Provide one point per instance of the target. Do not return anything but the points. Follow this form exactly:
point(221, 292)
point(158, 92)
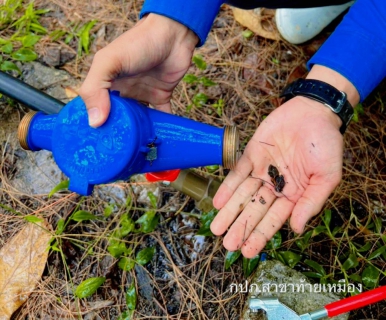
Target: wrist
point(336, 80)
point(320, 109)
point(176, 32)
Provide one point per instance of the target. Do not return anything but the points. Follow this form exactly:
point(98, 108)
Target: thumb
point(95, 88)
point(309, 205)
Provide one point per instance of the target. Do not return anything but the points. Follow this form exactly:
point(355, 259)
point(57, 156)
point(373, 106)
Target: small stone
point(52, 56)
point(274, 273)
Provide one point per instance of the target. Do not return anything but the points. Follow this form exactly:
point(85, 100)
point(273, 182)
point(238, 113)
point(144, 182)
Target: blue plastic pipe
point(134, 139)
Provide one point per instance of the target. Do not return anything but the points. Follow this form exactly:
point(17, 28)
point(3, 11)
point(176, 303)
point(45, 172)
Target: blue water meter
point(134, 139)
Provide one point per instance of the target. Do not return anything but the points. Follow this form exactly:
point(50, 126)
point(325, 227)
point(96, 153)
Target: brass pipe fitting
point(22, 132)
point(231, 145)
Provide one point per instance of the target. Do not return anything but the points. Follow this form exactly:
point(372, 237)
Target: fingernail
point(93, 116)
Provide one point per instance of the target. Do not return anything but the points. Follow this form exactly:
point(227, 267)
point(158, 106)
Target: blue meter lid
point(90, 156)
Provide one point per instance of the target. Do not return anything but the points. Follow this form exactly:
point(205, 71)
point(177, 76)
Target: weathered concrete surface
point(275, 273)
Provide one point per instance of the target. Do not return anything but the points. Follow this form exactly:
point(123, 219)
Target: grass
point(186, 279)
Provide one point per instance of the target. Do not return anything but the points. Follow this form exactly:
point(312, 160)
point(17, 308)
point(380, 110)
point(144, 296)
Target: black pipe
point(28, 95)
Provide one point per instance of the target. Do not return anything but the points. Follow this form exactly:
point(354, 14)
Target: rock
point(52, 81)
point(112, 194)
point(56, 55)
point(142, 187)
point(144, 283)
point(36, 172)
point(275, 273)
point(52, 56)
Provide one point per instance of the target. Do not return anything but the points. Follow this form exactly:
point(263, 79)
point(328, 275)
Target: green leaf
point(370, 277)
point(355, 277)
point(190, 78)
point(89, 287)
point(377, 253)
point(318, 230)
point(36, 27)
point(247, 34)
point(275, 242)
point(82, 215)
point(68, 39)
point(25, 55)
point(9, 66)
point(365, 248)
point(108, 210)
point(30, 40)
point(378, 224)
point(212, 169)
point(207, 82)
point(316, 266)
point(312, 274)
point(131, 297)
point(7, 48)
point(357, 111)
point(290, 258)
point(85, 35)
point(117, 248)
point(41, 11)
point(351, 262)
point(200, 99)
point(327, 217)
point(32, 219)
point(127, 225)
point(126, 315)
point(275, 61)
point(57, 34)
point(303, 242)
point(148, 222)
point(249, 265)
point(206, 220)
point(60, 227)
point(145, 255)
point(60, 186)
point(126, 264)
point(3, 41)
point(153, 199)
point(231, 257)
point(198, 60)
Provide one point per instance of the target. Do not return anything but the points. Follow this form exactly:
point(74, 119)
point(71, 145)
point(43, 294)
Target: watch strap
point(322, 92)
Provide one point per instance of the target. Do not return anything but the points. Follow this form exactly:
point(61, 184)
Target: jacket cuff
point(198, 16)
point(357, 48)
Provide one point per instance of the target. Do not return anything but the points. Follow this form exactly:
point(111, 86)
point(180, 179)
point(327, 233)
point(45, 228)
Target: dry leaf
point(70, 92)
point(22, 261)
point(260, 21)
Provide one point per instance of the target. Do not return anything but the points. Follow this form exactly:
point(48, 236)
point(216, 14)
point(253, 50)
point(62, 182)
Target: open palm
point(302, 140)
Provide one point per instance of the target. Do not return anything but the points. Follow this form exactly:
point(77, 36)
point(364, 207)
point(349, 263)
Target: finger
point(310, 204)
point(238, 201)
point(107, 65)
point(143, 89)
point(94, 90)
point(165, 107)
point(276, 216)
point(234, 178)
point(248, 219)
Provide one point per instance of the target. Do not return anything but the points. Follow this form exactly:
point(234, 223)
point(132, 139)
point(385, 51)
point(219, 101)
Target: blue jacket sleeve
point(357, 48)
point(198, 16)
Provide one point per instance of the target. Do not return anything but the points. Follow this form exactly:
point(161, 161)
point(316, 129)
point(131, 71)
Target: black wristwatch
point(323, 92)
